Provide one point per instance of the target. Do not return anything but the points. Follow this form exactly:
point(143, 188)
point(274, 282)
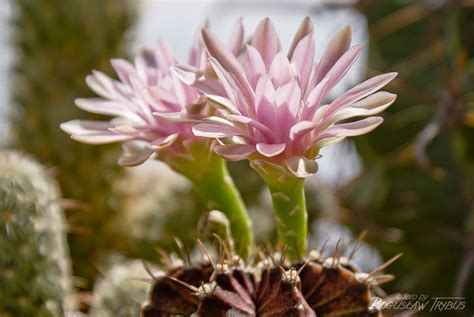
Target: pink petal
point(106, 107)
point(305, 28)
point(301, 166)
point(235, 152)
point(368, 106)
point(337, 46)
point(290, 96)
point(342, 66)
point(179, 117)
point(360, 91)
point(352, 128)
point(193, 77)
point(265, 40)
point(303, 57)
point(100, 138)
point(264, 99)
point(123, 69)
point(144, 61)
point(231, 87)
point(237, 37)
point(254, 65)
point(270, 150)
point(85, 126)
point(314, 99)
point(165, 141)
point(301, 128)
point(252, 123)
point(101, 84)
point(228, 61)
point(136, 153)
point(211, 130)
point(280, 70)
point(164, 56)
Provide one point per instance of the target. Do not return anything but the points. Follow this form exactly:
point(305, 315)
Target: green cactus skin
point(35, 268)
point(121, 290)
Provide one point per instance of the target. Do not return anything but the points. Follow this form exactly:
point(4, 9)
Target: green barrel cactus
point(35, 268)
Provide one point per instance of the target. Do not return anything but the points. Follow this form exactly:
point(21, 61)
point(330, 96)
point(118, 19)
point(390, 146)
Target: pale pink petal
point(164, 56)
point(301, 166)
point(180, 117)
point(106, 107)
point(337, 46)
point(92, 132)
point(314, 99)
point(102, 86)
point(123, 69)
point(193, 77)
point(254, 65)
point(281, 70)
point(303, 57)
point(265, 40)
point(231, 87)
point(342, 66)
point(136, 153)
point(305, 28)
point(264, 99)
point(266, 132)
point(86, 126)
point(222, 103)
point(270, 150)
point(100, 138)
point(237, 37)
point(144, 62)
point(368, 106)
point(128, 129)
point(234, 152)
point(301, 128)
point(289, 95)
point(228, 61)
point(328, 141)
point(211, 130)
point(352, 128)
point(165, 141)
point(360, 91)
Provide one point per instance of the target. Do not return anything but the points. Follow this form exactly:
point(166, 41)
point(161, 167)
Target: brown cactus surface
point(265, 287)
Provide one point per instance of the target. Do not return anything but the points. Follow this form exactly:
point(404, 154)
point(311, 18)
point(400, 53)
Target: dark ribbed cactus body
point(313, 287)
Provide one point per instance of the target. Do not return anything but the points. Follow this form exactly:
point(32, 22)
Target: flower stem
point(217, 188)
point(208, 172)
point(289, 207)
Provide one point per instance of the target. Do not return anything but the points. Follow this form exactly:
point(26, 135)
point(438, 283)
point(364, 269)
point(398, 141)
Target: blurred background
point(409, 184)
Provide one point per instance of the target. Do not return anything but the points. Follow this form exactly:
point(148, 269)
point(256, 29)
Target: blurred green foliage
point(57, 44)
point(416, 195)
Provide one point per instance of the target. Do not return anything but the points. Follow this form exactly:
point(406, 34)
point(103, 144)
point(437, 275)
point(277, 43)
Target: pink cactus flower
point(271, 107)
point(145, 88)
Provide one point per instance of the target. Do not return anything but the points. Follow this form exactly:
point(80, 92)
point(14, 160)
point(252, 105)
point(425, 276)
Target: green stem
point(217, 188)
point(208, 172)
point(289, 207)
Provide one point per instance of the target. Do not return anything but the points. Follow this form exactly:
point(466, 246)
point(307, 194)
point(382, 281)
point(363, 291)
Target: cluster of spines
point(266, 285)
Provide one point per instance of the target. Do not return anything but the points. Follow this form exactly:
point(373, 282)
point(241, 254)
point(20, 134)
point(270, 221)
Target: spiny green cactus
point(121, 290)
point(57, 43)
point(35, 272)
